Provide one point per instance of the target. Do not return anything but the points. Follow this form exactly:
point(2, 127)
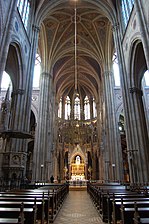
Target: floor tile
point(78, 209)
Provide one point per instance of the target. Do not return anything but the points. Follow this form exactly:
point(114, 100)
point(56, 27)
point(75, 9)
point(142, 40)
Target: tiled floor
point(78, 209)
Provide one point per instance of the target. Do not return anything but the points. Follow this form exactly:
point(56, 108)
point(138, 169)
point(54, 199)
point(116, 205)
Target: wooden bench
point(47, 203)
point(128, 213)
point(8, 220)
point(138, 220)
point(103, 196)
point(114, 204)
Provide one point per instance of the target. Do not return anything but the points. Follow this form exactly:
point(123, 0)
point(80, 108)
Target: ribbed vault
point(94, 45)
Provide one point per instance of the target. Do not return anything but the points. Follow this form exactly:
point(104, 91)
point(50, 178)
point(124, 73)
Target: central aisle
point(78, 209)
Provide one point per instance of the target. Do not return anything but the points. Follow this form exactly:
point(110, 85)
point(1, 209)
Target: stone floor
point(78, 209)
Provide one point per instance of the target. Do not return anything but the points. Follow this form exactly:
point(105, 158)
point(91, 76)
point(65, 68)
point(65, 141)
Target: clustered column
point(138, 153)
point(112, 155)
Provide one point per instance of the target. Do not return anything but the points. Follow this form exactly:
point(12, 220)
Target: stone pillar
point(82, 110)
point(136, 132)
point(43, 144)
point(113, 153)
point(30, 73)
point(94, 167)
point(138, 153)
point(63, 108)
point(91, 107)
point(124, 86)
point(86, 171)
point(16, 121)
point(6, 36)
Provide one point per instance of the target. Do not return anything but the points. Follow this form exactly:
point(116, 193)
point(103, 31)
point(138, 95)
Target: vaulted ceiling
point(94, 44)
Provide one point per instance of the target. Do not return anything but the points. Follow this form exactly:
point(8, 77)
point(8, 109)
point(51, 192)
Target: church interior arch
point(77, 124)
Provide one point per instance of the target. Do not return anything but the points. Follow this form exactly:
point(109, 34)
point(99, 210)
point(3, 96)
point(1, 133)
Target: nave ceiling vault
point(94, 45)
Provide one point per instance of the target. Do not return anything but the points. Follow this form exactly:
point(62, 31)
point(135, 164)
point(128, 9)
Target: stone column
point(124, 85)
point(94, 167)
point(43, 135)
point(113, 152)
point(63, 108)
point(6, 36)
point(16, 121)
point(30, 73)
point(138, 153)
point(82, 110)
point(133, 110)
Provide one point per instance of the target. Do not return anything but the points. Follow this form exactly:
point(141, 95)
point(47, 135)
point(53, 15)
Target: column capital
point(115, 27)
point(108, 73)
point(36, 28)
point(46, 74)
point(135, 90)
point(18, 92)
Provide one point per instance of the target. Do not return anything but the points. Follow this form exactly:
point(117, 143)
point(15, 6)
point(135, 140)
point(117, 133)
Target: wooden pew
point(128, 213)
point(138, 220)
point(102, 197)
point(48, 202)
point(114, 203)
point(9, 220)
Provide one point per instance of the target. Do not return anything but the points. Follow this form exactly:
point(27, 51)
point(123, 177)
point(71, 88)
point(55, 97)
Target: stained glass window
point(94, 109)
point(24, 9)
point(126, 8)
point(60, 108)
point(67, 108)
point(86, 108)
point(77, 108)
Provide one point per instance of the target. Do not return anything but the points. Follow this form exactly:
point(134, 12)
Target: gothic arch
point(14, 66)
point(35, 111)
point(138, 64)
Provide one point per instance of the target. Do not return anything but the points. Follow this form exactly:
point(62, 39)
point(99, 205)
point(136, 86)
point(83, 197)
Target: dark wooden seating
point(127, 214)
point(29, 206)
point(8, 220)
point(139, 220)
point(109, 200)
point(119, 207)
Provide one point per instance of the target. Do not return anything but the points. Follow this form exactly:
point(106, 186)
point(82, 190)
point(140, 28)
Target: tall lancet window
point(94, 108)
point(126, 8)
point(60, 108)
point(77, 108)
point(24, 10)
point(67, 108)
point(86, 108)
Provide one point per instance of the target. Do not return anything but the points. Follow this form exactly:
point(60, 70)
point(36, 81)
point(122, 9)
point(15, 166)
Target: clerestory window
point(60, 108)
point(77, 108)
point(94, 109)
point(126, 8)
point(86, 108)
point(24, 10)
point(67, 108)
